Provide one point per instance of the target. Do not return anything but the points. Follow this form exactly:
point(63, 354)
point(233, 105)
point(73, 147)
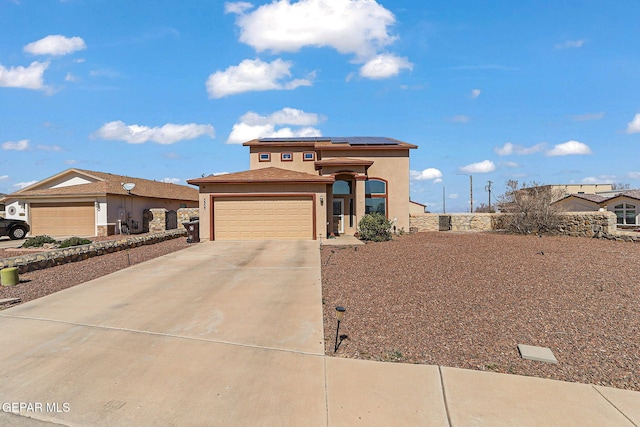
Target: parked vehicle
point(14, 228)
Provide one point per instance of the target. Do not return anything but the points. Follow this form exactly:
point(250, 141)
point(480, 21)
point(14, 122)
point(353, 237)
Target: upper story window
point(286, 157)
point(264, 157)
point(625, 213)
point(308, 156)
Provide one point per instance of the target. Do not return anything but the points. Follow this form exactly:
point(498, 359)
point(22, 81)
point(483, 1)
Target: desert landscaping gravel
point(468, 300)
point(39, 283)
point(460, 300)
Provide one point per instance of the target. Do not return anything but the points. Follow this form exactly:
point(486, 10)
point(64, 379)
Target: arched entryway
point(343, 207)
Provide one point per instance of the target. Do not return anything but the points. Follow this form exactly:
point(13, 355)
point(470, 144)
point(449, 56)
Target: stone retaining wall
point(582, 224)
point(37, 261)
point(157, 218)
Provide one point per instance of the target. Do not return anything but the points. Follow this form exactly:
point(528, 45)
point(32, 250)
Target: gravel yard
point(39, 283)
point(467, 300)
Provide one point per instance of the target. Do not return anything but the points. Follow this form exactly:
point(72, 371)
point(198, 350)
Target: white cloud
point(349, 26)
point(3, 177)
point(384, 66)
point(252, 125)
point(588, 116)
point(21, 185)
point(253, 75)
point(70, 162)
point(243, 132)
point(634, 125)
point(508, 149)
point(237, 7)
point(286, 116)
point(49, 147)
point(454, 196)
point(569, 148)
point(55, 45)
point(634, 175)
point(427, 174)
point(570, 44)
point(70, 78)
point(167, 134)
point(21, 145)
point(172, 180)
point(600, 179)
point(475, 93)
point(484, 166)
point(30, 77)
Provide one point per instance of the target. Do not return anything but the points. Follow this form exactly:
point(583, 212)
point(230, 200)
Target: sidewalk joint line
point(612, 404)
point(444, 395)
point(163, 334)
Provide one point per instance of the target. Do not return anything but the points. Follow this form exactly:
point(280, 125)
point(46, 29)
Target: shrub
point(374, 227)
point(74, 241)
point(530, 207)
point(38, 241)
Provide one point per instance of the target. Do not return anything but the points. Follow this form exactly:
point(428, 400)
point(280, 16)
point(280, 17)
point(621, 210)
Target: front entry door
point(338, 215)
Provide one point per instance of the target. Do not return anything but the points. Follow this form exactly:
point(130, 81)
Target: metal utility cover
point(539, 354)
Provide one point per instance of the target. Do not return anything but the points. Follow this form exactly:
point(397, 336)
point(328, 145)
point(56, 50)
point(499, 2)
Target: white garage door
point(263, 218)
point(63, 219)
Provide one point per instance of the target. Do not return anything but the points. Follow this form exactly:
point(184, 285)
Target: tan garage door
point(257, 218)
point(63, 219)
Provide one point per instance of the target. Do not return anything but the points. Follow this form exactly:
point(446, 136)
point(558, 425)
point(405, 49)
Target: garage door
point(63, 219)
point(257, 218)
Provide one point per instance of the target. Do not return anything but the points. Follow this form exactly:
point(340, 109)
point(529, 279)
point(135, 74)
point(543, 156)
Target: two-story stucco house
point(307, 188)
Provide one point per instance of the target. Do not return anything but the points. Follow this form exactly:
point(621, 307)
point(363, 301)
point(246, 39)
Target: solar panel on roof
point(295, 139)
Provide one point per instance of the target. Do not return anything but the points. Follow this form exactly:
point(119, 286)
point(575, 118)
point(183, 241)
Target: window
point(286, 157)
point(375, 196)
point(341, 187)
point(264, 157)
point(625, 213)
point(308, 156)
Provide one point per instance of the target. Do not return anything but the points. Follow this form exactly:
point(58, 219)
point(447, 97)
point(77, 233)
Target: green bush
point(374, 227)
point(38, 241)
point(74, 241)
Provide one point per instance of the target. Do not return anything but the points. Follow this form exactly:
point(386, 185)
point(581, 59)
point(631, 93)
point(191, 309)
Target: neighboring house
point(307, 188)
point(625, 204)
point(88, 203)
point(416, 208)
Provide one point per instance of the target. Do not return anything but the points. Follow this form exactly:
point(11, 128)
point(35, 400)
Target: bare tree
point(620, 186)
point(529, 208)
point(483, 208)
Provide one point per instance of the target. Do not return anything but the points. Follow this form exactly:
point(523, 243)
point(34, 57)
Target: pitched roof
point(269, 174)
point(343, 161)
point(107, 183)
point(633, 194)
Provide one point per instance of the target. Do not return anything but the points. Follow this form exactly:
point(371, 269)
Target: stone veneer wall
point(157, 218)
point(583, 224)
point(54, 257)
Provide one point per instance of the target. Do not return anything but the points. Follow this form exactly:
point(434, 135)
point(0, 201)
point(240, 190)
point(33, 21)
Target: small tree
point(485, 209)
point(529, 208)
point(374, 227)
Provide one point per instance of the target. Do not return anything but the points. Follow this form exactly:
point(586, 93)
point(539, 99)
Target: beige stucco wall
point(297, 164)
point(312, 189)
point(390, 165)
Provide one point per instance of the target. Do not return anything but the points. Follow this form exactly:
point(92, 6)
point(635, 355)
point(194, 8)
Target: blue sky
point(168, 90)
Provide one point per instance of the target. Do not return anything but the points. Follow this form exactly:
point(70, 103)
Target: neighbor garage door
point(257, 218)
point(63, 219)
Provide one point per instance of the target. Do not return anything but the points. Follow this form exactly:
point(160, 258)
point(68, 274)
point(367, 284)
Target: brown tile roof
point(633, 194)
point(112, 184)
point(596, 198)
point(269, 174)
point(339, 161)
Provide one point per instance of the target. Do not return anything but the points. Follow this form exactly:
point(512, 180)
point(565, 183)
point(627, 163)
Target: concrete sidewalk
point(232, 334)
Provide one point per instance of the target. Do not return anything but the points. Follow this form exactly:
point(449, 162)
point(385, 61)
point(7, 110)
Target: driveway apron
point(222, 333)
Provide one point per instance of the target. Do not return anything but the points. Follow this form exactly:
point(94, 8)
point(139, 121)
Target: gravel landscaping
point(468, 300)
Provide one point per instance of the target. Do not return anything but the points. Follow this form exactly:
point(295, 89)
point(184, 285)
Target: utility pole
point(488, 188)
point(471, 192)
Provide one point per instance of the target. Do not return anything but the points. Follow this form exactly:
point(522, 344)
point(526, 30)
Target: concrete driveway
point(218, 334)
